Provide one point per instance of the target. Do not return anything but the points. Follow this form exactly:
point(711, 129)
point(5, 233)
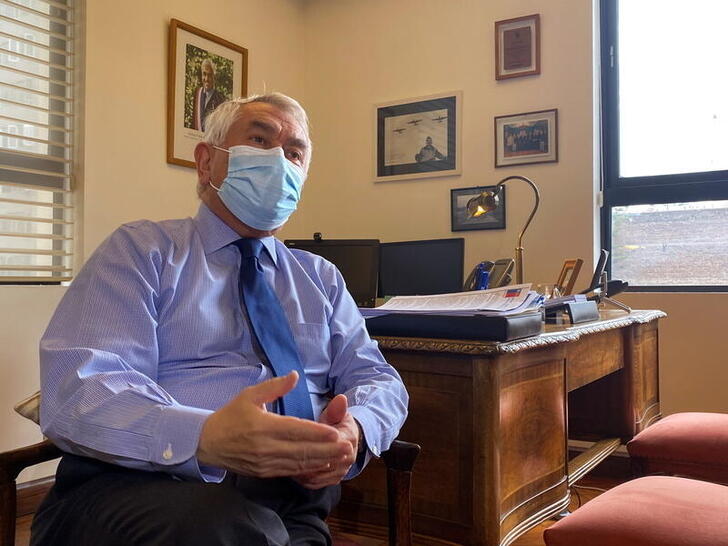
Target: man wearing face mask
point(209, 385)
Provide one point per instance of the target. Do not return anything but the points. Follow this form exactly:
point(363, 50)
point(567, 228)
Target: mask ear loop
point(210, 181)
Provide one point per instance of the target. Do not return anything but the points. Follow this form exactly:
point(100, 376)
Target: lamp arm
point(519, 248)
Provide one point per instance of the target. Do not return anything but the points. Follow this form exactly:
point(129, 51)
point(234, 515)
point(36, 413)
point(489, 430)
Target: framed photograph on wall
point(203, 71)
point(418, 138)
point(527, 138)
point(459, 219)
point(517, 47)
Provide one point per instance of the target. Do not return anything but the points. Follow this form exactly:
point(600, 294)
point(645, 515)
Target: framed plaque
point(517, 47)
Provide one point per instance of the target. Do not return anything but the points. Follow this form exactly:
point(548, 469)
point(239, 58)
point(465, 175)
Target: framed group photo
point(518, 47)
point(461, 221)
point(527, 138)
point(418, 138)
point(203, 72)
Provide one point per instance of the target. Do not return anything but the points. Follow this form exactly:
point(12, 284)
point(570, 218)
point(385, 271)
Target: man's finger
point(293, 429)
point(272, 389)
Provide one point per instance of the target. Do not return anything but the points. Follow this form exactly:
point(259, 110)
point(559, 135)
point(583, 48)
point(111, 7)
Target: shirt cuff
point(176, 439)
point(361, 415)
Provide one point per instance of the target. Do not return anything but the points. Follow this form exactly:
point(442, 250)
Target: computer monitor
point(356, 259)
point(411, 268)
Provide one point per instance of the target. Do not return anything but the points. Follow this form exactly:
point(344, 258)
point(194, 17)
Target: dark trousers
point(94, 503)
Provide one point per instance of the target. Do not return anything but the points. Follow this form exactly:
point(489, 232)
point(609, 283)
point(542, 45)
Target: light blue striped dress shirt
point(151, 338)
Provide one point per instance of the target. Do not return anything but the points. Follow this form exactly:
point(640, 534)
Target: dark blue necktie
point(271, 327)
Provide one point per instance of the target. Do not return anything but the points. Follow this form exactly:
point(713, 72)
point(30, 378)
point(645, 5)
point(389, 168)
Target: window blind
point(36, 140)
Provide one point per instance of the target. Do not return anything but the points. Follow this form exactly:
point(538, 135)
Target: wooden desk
point(493, 421)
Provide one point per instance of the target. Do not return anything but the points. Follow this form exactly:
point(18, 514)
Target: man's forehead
point(267, 117)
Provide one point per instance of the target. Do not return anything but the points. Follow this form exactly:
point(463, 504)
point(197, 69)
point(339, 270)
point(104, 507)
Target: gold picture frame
point(203, 70)
point(518, 47)
point(567, 277)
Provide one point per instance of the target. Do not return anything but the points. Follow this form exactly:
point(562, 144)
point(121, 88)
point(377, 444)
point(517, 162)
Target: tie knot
point(249, 248)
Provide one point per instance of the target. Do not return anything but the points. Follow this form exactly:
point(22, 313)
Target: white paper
point(506, 298)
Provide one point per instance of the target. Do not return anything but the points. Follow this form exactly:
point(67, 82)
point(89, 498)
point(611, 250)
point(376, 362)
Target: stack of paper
point(507, 300)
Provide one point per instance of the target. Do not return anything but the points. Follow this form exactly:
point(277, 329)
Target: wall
point(343, 57)
point(126, 175)
point(360, 54)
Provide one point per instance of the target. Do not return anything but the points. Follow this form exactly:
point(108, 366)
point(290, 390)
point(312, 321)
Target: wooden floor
point(532, 538)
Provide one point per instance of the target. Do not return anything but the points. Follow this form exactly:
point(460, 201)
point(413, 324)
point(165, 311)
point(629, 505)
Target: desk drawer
point(593, 357)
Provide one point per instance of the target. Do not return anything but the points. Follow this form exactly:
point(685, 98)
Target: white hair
point(209, 63)
point(218, 123)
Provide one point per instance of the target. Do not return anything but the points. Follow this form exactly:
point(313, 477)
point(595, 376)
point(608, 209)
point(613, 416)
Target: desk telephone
point(498, 274)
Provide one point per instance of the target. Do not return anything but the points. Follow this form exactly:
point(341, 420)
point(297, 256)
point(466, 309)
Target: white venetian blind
point(36, 140)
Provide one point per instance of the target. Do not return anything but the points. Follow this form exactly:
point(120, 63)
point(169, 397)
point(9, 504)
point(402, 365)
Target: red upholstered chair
point(651, 511)
point(693, 445)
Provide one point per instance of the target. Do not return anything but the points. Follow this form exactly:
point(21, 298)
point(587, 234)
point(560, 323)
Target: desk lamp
point(488, 201)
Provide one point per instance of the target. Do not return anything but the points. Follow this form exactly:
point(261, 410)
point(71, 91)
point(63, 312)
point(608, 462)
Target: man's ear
point(203, 162)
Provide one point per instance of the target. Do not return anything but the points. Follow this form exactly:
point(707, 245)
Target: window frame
point(640, 190)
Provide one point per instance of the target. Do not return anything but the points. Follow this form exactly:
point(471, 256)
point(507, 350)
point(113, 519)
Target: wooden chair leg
point(11, 463)
point(7, 512)
point(399, 459)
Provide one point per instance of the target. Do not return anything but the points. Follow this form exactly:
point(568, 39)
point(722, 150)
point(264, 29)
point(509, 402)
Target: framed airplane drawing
point(418, 138)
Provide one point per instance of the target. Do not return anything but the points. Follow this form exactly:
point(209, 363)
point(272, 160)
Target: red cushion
point(698, 438)
point(652, 511)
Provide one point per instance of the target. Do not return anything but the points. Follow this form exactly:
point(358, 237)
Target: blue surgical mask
point(262, 187)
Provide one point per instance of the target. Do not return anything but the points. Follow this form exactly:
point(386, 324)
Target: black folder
point(474, 327)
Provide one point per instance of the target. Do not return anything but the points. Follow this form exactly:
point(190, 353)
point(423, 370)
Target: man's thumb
point(335, 411)
point(272, 389)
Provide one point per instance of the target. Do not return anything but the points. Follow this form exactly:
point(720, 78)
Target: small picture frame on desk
point(567, 277)
point(461, 221)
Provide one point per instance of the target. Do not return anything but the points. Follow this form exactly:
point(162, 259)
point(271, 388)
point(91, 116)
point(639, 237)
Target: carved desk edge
point(610, 321)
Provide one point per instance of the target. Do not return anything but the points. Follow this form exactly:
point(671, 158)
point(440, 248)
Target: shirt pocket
point(314, 348)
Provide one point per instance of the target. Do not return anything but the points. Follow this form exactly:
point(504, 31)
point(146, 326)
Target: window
point(665, 143)
point(36, 140)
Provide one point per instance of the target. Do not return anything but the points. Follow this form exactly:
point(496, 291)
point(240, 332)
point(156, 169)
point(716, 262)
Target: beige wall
point(342, 57)
point(362, 53)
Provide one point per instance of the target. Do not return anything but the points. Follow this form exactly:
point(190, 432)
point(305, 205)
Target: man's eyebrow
point(298, 143)
point(263, 126)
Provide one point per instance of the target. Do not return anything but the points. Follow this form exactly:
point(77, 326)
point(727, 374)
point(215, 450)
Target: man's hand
point(244, 438)
point(337, 415)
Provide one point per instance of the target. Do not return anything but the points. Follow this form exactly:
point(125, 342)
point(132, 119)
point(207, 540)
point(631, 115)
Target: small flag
point(513, 293)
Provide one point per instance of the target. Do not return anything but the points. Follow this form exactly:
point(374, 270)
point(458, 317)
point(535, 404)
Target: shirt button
point(167, 453)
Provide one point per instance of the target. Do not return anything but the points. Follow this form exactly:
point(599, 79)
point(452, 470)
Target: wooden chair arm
point(12, 462)
point(399, 460)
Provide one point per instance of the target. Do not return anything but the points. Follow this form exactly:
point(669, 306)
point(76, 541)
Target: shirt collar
point(216, 234)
